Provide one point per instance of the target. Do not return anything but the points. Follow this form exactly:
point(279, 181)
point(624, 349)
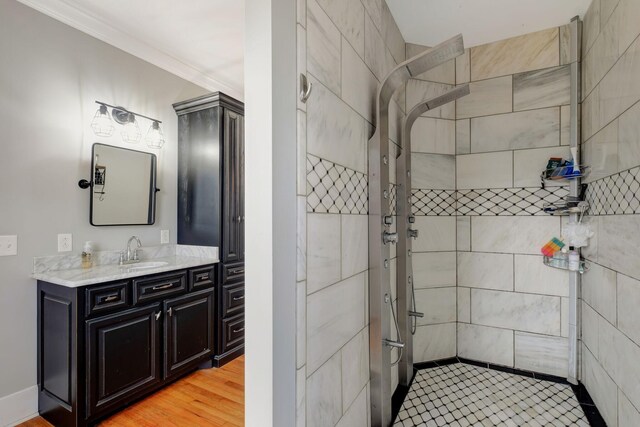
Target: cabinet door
point(123, 357)
point(189, 330)
point(233, 200)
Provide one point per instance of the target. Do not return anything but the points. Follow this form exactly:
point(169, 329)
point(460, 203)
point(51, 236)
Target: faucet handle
point(121, 258)
point(135, 254)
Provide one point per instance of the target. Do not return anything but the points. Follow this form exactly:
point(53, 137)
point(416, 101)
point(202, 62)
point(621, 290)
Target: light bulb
point(155, 138)
point(131, 132)
point(101, 123)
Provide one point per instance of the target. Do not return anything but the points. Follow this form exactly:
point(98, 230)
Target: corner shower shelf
point(566, 208)
point(565, 173)
point(564, 264)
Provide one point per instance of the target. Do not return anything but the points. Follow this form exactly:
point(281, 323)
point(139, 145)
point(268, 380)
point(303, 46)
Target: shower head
point(435, 56)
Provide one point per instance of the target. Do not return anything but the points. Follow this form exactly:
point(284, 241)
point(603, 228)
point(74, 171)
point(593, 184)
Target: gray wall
point(50, 76)
point(611, 145)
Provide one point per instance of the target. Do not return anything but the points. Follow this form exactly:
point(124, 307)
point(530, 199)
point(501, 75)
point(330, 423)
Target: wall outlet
point(164, 237)
point(8, 245)
point(65, 242)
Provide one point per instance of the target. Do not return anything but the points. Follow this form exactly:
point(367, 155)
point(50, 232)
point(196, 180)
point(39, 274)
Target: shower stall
point(493, 279)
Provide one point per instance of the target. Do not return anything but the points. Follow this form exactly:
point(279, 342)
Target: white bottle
point(574, 260)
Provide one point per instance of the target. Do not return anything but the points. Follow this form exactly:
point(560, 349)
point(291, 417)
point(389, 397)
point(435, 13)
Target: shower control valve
point(388, 220)
point(416, 314)
point(390, 343)
point(411, 219)
point(389, 237)
point(412, 233)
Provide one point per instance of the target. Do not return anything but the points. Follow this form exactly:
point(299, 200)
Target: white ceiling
point(429, 22)
point(199, 40)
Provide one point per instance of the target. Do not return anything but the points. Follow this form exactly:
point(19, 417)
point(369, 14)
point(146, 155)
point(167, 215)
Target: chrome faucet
point(130, 256)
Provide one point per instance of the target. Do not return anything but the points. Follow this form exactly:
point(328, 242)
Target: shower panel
point(407, 311)
point(380, 221)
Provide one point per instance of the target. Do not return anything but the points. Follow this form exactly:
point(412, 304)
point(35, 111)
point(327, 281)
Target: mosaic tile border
point(333, 188)
point(617, 194)
point(525, 201)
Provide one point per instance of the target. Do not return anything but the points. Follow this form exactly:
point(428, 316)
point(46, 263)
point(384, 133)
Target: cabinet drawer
point(156, 287)
point(232, 299)
point(232, 272)
point(100, 299)
point(232, 333)
point(202, 278)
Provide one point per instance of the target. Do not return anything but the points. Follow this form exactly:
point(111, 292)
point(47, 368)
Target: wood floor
point(209, 397)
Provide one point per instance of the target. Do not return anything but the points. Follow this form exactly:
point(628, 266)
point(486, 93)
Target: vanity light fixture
point(155, 138)
point(102, 125)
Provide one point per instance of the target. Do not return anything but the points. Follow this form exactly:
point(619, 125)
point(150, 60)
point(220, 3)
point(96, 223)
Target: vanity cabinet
point(211, 202)
point(103, 346)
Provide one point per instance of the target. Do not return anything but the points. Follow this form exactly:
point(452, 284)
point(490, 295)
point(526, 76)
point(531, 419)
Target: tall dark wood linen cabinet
point(211, 203)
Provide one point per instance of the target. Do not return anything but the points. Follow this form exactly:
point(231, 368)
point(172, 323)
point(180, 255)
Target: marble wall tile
point(419, 91)
point(619, 356)
point(301, 153)
point(359, 85)
point(528, 164)
point(376, 54)
point(628, 137)
point(523, 53)
point(301, 55)
point(445, 73)
point(436, 234)
point(628, 415)
point(392, 35)
point(433, 171)
point(601, 153)
point(601, 388)
point(301, 324)
point(301, 237)
point(618, 247)
point(374, 9)
point(541, 353)
point(591, 26)
point(591, 252)
point(606, 9)
point(601, 57)
point(526, 129)
point(532, 276)
point(464, 305)
point(542, 88)
point(523, 312)
point(355, 248)
point(434, 342)
point(301, 12)
point(590, 328)
point(487, 97)
point(355, 367)
point(356, 414)
point(515, 234)
point(591, 114)
point(485, 270)
point(620, 88)
point(565, 44)
point(485, 344)
point(437, 136)
point(324, 394)
point(323, 47)
point(463, 136)
point(628, 290)
point(301, 389)
point(334, 131)
point(463, 67)
point(348, 16)
point(438, 305)
point(564, 317)
point(565, 125)
point(463, 229)
point(485, 170)
point(628, 12)
point(323, 250)
point(434, 269)
point(599, 291)
point(334, 316)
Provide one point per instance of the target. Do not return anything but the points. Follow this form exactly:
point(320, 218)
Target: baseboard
point(220, 360)
point(19, 406)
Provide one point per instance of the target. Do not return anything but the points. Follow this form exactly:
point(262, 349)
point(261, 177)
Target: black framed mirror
point(123, 186)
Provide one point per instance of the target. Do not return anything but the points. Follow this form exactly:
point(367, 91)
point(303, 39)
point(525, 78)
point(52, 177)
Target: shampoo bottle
point(574, 259)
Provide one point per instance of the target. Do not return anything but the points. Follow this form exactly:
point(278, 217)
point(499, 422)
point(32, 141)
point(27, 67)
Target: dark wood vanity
point(102, 346)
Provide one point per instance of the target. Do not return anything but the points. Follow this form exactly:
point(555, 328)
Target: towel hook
point(305, 88)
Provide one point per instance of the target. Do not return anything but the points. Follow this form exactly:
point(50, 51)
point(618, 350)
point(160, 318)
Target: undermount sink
point(145, 265)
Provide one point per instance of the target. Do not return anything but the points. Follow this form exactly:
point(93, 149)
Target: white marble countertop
point(77, 277)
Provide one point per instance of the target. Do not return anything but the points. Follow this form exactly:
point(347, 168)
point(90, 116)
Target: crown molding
point(84, 21)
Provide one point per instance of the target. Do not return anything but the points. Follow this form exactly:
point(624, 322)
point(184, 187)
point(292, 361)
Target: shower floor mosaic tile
point(466, 395)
